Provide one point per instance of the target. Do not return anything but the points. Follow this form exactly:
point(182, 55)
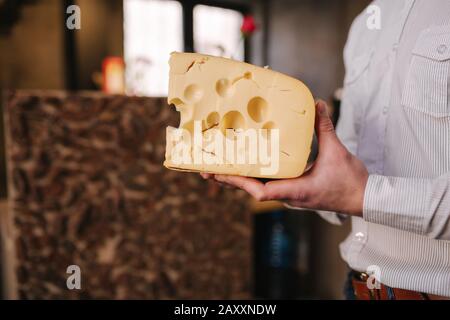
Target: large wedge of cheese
point(222, 98)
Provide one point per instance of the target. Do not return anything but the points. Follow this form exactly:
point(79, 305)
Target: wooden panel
point(87, 187)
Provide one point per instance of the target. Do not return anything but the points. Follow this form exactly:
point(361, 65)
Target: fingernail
point(322, 108)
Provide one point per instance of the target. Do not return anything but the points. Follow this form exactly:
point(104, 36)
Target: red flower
point(248, 25)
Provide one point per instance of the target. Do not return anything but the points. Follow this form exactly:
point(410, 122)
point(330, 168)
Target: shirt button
point(385, 110)
point(442, 49)
point(359, 236)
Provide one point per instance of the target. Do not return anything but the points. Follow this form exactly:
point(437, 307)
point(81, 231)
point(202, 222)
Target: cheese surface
point(221, 100)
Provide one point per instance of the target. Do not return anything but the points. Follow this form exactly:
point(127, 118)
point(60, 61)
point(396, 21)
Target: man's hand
point(336, 181)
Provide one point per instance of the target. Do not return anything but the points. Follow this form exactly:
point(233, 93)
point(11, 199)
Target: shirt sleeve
point(332, 217)
point(421, 206)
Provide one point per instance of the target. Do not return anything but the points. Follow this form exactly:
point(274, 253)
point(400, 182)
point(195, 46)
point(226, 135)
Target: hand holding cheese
point(336, 182)
point(237, 119)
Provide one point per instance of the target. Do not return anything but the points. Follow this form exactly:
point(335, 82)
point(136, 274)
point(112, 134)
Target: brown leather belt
point(362, 292)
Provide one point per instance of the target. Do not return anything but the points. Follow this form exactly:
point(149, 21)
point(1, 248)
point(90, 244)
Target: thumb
point(324, 126)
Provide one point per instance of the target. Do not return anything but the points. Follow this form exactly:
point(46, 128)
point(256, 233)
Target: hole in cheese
point(190, 126)
point(257, 109)
point(213, 119)
point(193, 93)
point(268, 126)
point(232, 120)
point(176, 102)
point(224, 88)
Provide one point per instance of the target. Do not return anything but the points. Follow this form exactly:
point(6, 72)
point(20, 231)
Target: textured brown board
point(87, 187)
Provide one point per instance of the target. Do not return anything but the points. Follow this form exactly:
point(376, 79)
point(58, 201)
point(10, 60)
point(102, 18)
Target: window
point(155, 28)
point(152, 30)
point(217, 32)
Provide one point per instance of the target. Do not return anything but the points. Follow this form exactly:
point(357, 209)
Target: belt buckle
point(374, 294)
point(363, 276)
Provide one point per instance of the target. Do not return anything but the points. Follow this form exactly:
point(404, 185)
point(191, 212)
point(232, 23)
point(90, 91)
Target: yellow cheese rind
point(224, 93)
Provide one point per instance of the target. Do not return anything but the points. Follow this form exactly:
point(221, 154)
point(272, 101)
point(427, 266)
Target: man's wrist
point(358, 195)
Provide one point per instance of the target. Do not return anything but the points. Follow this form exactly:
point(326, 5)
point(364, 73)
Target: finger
point(323, 125)
point(250, 185)
point(206, 175)
point(288, 189)
point(224, 185)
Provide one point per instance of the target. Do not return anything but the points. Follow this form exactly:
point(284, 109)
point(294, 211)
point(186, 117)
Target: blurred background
point(82, 143)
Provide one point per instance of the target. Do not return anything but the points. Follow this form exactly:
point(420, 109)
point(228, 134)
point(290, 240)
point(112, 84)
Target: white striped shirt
point(396, 118)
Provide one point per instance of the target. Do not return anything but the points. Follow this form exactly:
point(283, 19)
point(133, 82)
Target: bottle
point(281, 255)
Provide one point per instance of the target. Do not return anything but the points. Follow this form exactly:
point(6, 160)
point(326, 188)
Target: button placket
point(387, 91)
point(387, 88)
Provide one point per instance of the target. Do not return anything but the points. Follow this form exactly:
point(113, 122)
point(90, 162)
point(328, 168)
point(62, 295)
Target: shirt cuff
point(331, 217)
point(396, 202)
